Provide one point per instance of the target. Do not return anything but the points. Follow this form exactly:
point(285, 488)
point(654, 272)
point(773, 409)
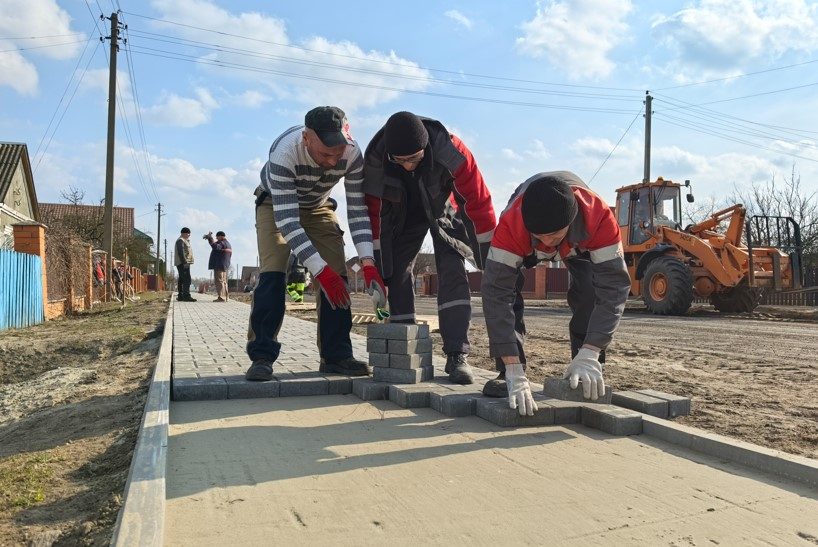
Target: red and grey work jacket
point(456, 201)
point(593, 237)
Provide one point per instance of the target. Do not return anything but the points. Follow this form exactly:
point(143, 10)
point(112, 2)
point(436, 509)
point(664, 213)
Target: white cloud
point(537, 151)
point(183, 111)
point(509, 154)
point(17, 73)
point(459, 18)
point(252, 99)
point(719, 37)
point(269, 48)
point(576, 36)
point(26, 18)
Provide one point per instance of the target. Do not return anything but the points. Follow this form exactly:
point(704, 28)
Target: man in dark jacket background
point(183, 258)
point(418, 177)
point(220, 254)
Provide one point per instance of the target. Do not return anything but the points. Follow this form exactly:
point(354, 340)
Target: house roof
point(11, 154)
point(142, 235)
point(123, 216)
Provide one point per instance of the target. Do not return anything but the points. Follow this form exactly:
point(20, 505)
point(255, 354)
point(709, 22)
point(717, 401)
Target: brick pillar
point(29, 238)
point(540, 282)
point(71, 292)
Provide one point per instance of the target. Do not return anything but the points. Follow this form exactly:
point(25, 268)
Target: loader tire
point(739, 299)
point(667, 287)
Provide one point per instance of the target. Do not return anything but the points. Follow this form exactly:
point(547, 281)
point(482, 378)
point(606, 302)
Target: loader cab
point(641, 208)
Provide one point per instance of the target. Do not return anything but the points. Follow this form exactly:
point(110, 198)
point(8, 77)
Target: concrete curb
point(141, 519)
point(751, 455)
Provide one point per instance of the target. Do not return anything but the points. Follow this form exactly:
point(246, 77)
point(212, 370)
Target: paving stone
point(611, 419)
point(677, 405)
point(409, 396)
point(239, 388)
point(565, 412)
point(376, 345)
point(402, 376)
point(339, 385)
point(499, 413)
point(454, 404)
point(297, 386)
point(397, 331)
point(641, 403)
point(367, 389)
point(557, 388)
point(379, 359)
point(405, 361)
point(202, 389)
point(422, 345)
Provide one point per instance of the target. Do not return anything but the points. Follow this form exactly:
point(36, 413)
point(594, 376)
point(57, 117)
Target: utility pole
point(648, 112)
point(166, 259)
point(108, 217)
point(158, 232)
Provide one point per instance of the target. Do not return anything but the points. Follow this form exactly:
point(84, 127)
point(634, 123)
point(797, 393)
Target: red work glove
point(334, 287)
point(374, 285)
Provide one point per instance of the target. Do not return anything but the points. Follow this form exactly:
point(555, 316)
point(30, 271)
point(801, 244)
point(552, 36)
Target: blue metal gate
point(21, 290)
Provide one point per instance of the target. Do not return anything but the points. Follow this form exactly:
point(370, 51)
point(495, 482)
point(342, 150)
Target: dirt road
point(753, 379)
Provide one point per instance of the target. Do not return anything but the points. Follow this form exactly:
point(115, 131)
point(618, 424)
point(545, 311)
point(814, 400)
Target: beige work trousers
point(220, 277)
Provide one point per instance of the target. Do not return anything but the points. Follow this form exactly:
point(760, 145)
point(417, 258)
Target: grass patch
point(23, 479)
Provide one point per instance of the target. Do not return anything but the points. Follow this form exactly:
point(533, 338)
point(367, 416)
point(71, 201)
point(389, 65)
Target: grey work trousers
point(453, 295)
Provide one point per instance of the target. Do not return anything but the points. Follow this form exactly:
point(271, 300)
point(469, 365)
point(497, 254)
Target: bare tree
point(785, 197)
point(73, 195)
point(696, 212)
point(424, 261)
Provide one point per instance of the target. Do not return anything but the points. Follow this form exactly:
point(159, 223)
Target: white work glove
point(519, 390)
point(587, 369)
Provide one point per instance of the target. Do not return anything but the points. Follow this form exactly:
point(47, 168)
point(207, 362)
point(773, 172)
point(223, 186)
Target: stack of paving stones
point(400, 353)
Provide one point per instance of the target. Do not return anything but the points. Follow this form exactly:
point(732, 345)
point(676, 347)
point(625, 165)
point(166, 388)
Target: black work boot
point(496, 388)
point(458, 369)
point(349, 367)
point(260, 371)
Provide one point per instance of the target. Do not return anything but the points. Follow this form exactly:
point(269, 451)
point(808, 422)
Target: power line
point(198, 60)
point(40, 37)
point(67, 106)
point(138, 110)
point(693, 127)
point(782, 90)
point(46, 46)
point(742, 75)
point(62, 98)
point(598, 169)
point(379, 61)
point(251, 53)
point(678, 104)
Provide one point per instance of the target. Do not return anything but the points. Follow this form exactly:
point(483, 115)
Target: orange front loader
point(725, 258)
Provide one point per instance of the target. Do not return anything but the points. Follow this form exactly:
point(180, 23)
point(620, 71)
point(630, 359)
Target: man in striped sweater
point(293, 212)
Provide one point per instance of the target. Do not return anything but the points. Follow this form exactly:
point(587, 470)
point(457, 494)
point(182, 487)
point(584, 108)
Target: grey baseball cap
point(330, 124)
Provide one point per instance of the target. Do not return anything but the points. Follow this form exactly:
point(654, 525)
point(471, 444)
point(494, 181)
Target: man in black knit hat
point(419, 178)
point(554, 216)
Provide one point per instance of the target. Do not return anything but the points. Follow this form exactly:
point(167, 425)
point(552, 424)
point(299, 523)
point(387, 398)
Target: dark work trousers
point(184, 279)
point(268, 313)
point(581, 298)
point(519, 322)
point(453, 297)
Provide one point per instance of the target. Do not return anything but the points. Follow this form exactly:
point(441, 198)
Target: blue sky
point(207, 85)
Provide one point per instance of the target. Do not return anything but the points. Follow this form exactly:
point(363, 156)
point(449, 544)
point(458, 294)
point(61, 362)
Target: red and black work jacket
point(456, 202)
point(593, 238)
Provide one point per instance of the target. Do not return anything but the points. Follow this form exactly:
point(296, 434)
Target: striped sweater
point(294, 180)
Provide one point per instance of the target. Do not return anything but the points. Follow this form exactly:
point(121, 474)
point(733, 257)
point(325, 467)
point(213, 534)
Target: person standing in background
point(183, 258)
point(220, 254)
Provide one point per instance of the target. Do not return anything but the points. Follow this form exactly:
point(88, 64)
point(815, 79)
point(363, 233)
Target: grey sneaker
point(496, 388)
point(260, 371)
point(349, 367)
point(458, 369)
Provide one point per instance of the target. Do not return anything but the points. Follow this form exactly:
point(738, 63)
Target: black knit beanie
point(404, 134)
point(548, 205)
